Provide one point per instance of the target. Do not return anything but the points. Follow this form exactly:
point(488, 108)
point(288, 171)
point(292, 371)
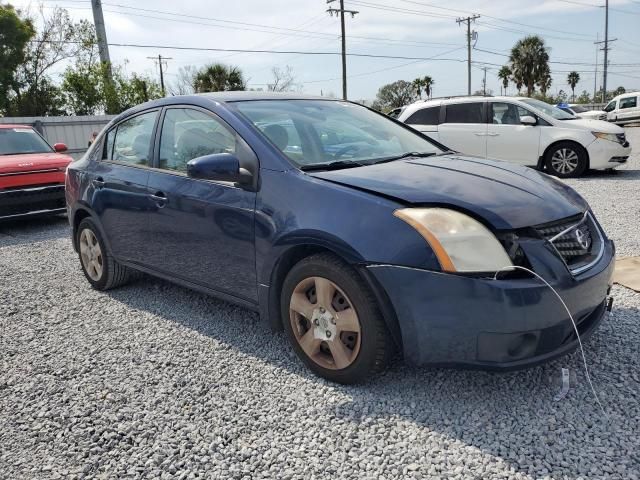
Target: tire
point(566, 160)
point(346, 355)
point(105, 273)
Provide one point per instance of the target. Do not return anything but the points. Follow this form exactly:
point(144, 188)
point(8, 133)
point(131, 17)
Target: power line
point(161, 61)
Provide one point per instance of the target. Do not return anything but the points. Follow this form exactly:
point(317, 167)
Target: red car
point(32, 173)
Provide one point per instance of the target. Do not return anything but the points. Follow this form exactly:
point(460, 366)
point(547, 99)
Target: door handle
point(159, 198)
point(493, 134)
point(98, 182)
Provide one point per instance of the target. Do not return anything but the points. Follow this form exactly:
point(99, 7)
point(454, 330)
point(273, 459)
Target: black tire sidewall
point(582, 159)
point(101, 284)
point(361, 300)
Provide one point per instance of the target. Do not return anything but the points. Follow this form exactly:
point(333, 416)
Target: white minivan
point(624, 108)
point(520, 130)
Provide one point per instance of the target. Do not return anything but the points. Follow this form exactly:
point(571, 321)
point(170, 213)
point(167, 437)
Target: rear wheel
point(99, 267)
point(332, 320)
point(566, 159)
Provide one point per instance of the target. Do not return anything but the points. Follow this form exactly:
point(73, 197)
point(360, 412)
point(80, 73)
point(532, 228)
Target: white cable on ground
point(575, 327)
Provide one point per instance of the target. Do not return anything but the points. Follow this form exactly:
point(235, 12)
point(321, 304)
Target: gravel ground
point(154, 381)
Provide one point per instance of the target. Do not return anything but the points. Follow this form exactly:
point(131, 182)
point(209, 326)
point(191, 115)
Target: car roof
point(14, 125)
point(420, 104)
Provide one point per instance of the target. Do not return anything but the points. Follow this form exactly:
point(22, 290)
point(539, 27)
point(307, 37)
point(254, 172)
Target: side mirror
point(60, 147)
point(528, 120)
point(224, 167)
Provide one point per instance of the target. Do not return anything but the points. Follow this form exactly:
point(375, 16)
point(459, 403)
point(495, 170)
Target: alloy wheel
point(91, 255)
point(564, 161)
point(324, 323)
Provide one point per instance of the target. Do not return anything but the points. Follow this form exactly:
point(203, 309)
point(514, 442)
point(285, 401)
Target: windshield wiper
point(404, 155)
point(336, 165)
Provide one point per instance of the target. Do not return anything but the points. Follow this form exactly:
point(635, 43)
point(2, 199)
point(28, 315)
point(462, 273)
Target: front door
point(464, 128)
point(119, 181)
point(508, 139)
point(200, 231)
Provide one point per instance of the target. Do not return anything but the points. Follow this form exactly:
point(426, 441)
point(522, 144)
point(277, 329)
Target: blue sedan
point(357, 235)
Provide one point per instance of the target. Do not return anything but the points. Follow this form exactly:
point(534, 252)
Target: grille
point(21, 202)
point(576, 239)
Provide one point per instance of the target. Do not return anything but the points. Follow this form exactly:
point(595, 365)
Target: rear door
point(508, 139)
point(464, 128)
point(426, 120)
point(201, 231)
point(119, 182)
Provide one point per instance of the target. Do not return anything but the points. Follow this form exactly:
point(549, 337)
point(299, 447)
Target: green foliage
point(585, 98)
point(218, 78)
point(504, 74)
point(529, 61)
point(394, 95)
point(424, 84)
point(15, 34)
point(572, 80)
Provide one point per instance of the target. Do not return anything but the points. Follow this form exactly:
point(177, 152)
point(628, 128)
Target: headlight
point(606, 136)
point(461, 243)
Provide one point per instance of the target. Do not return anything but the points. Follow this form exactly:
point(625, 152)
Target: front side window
point(630, 102)
point(464, 113)
point(319, 132)
point(547, 109)
point(507, 113)
point(611, 106)
point(14, 141)
point(425, 116)
point(130, 141)
point(188, 134)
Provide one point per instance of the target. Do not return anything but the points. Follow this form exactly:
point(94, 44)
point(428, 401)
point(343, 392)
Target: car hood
point(28, 162)
point(505, 195)
point(591, 125)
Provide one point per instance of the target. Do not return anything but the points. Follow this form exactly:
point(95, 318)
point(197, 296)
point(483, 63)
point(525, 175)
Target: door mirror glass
point(224, 167)
point(60, 147)
point(528, 120)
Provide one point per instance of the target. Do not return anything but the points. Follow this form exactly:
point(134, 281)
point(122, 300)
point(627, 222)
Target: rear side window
point(130, 141)
point(629, 102)
point(425, 116)
point(464, 113)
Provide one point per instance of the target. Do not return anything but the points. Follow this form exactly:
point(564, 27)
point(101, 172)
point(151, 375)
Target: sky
point(424, 33)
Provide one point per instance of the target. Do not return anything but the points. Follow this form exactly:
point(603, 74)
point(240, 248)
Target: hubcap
point(324, 323)
point(564, 160)
point(91, 255)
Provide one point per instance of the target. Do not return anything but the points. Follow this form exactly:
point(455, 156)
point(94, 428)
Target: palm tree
point(427, 83)
point(572, 79)
point(529, 61)
point(545, 83)
point(505, 74)
point(417, 85)
point(217, 78)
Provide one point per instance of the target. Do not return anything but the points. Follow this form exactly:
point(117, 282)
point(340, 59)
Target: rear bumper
point(32, 201)
point(454, 320)
point(604, 154)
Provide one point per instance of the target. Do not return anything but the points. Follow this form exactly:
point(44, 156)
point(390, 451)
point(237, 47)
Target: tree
point(504, 74)
point(424, 84)
point(218, 78)
point(15, 34)
point(59, 39)
point(545, 82)
point(572, 80)
point(283, 80)
point(183, 84)
point(394, 95)
point(529, 60)
point(585, 98)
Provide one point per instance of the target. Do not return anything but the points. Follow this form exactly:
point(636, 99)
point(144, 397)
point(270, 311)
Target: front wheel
point(566, 160)
point(332, 320)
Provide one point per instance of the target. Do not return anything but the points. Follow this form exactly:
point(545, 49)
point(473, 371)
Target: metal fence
point(73, 131)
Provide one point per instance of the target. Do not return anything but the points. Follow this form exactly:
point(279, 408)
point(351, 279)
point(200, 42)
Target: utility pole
point(484, 82)
point(468, 21)
point(160, 59)
point(606, 50)
point(595, 80)
point(103, 49)
point(341, 11)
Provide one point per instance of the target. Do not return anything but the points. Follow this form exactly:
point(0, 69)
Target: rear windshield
point(17, 140)
point(579, 109)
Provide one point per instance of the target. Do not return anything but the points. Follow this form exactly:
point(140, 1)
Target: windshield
point(550, 110)
point(579, 108)
point(313, 132)
point(21, 140)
